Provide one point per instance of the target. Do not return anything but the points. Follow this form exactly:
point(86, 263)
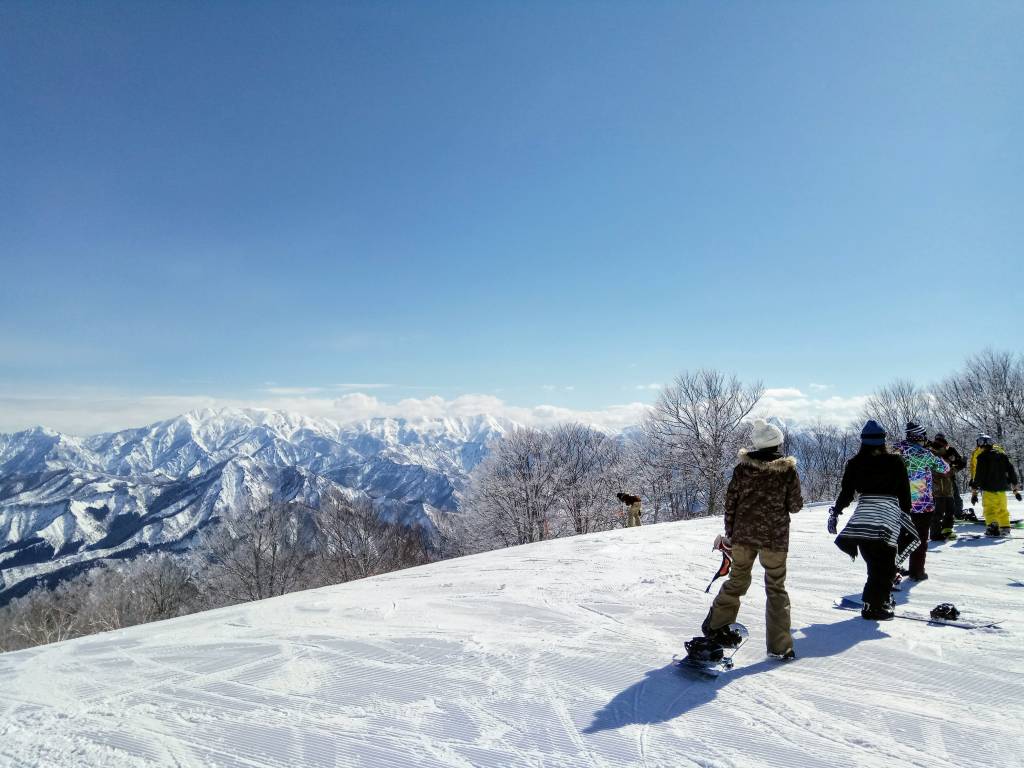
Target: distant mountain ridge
point(67, 502)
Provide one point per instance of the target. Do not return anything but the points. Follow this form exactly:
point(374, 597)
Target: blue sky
point(544, 203)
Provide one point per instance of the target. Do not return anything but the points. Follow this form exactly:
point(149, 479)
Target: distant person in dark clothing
point(880, 528)
point(944, 488)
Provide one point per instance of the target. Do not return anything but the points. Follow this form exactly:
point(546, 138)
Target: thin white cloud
point(804, 410)
point(93, 413)
point(648, 386)
point(819, 387)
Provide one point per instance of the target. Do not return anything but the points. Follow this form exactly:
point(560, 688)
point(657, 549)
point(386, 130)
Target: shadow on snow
point(984, 541)
point(669, 692)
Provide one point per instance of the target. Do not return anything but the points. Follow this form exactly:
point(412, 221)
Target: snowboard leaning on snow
point(848, 604)
point(714, 668)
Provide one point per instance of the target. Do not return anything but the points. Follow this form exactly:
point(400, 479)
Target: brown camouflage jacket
point(760, 498)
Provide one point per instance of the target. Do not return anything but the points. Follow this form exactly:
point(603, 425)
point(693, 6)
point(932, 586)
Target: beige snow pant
point(634, 515)
point(727, 605)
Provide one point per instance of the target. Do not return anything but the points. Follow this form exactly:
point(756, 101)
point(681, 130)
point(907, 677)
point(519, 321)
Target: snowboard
point(714, 668)
point(976, 536)
point(848, 604)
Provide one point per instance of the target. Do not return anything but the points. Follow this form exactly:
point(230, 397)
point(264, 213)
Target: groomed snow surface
point(554, 654)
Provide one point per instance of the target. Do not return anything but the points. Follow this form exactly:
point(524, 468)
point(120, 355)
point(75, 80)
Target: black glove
point(833, 518)
point(974, 498)
point(1016, 495)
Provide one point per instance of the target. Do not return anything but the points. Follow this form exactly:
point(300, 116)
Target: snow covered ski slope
point(555, 654)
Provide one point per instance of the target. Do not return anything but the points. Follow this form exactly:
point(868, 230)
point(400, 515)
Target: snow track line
point(143, 727)
point(565, 668)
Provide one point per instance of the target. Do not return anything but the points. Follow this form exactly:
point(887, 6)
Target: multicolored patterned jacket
point(920, 464)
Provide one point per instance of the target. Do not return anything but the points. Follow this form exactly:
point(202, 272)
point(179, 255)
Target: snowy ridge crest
point(67, 502)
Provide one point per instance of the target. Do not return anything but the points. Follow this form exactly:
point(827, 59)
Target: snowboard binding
point(709, 655)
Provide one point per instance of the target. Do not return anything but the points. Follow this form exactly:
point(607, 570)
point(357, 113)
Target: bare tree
point(822, 451)
point(103, 599)
point(698, 419)
point(668, 491)
point(987, 395)
point(42, 616)
point(355, 542)
point(256, 554)
point(586, 475)
point(163, 587)
point(895, 404)
point(511, 497)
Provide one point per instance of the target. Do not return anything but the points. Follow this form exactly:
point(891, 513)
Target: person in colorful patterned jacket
point(763, 492)
point(920, 462)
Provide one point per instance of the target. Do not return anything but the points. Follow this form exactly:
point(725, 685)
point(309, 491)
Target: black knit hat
point(872, 433)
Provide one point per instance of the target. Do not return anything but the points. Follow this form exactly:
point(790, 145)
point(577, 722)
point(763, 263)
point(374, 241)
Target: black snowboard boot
point(880, 613)
point(725, 637)
point(703, 649)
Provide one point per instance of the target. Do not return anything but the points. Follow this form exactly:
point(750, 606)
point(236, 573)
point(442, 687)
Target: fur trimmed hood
point(776, 465)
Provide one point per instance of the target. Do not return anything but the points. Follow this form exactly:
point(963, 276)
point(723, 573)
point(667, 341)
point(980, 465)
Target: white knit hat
point(765, 435)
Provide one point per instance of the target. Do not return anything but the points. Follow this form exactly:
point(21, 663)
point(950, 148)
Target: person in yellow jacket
point(632, 508)
point(982, 442)
point(993, 474)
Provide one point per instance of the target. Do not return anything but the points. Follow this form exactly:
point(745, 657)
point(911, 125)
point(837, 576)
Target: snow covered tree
point(354, 542)
point(41, 616)
point(256, 554)
point(511, 499)
point(895, 404)
point(986, 396)
point(667, 491)
point(698, 420)
point(163, 587)
point(822, 451)
point(586, 476)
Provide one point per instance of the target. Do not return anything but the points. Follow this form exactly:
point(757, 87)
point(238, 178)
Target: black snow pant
point(880, 559)
point(942, 518)
point(923, 523)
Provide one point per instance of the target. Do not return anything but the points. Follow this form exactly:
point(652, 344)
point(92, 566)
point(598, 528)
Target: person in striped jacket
point(880, 529)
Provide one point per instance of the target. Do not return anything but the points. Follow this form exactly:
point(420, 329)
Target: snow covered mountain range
point(66, 502)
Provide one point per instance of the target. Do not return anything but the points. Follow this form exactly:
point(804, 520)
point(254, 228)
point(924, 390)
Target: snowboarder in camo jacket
point(763, 492)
